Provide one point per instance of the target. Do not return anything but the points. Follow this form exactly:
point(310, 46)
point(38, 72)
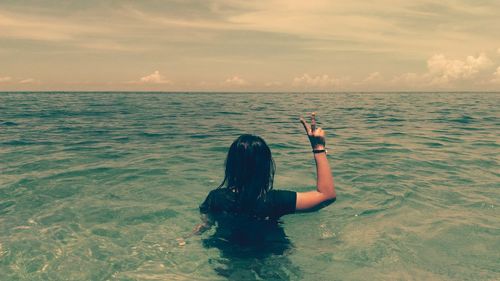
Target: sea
point(107, 185)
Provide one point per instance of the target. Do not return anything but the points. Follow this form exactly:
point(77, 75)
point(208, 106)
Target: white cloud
point(5, 79)
point(27, 81)
point(443, 70)
point(235, 81)
point(154, 78)
point(273, 84)
point(498, 51)
point(373, 77)
point(319, 81)
point(410, 81)
point(496, 76)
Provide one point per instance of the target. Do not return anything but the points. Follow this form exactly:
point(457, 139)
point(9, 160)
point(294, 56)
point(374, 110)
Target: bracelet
point(319, 151)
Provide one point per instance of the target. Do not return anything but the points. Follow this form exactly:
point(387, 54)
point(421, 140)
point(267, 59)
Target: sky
point(271, 45)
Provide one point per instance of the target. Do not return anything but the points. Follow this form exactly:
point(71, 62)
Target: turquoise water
point(101, 186)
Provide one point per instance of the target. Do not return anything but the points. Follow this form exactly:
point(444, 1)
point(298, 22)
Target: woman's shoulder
point(220, 192)
point(216, 193)
point(216, 199)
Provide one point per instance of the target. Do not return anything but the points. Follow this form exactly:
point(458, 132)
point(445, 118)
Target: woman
point(246, 191)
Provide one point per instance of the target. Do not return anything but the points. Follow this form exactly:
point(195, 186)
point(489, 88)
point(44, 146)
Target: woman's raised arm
point(325, 189)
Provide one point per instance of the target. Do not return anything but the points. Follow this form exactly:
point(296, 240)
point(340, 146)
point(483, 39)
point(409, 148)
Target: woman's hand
point(316, 135)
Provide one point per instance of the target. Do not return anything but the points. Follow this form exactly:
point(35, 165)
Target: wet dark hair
point(249, 170)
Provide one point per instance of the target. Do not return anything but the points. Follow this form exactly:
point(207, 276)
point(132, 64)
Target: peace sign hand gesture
point(316, 135)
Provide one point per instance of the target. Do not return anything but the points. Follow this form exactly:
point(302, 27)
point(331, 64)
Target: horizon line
point(248, 92)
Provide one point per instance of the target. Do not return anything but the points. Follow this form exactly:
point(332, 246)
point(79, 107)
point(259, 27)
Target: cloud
point(409, 80)
point(27, 81)
point(5, 79)
point(235, 81)
point(154, 78)
point(496, 76)
point(443, 70)
point(273, 84)
point(374, 81)
point(319, 81)
point(387, 27)
point(34, 27)
point(77, 31)
point(373, 77)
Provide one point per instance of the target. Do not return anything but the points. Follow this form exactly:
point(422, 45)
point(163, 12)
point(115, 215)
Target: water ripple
point(110, 182)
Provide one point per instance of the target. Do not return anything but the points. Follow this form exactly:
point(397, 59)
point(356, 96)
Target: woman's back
point(271, 206)
point(253, 229)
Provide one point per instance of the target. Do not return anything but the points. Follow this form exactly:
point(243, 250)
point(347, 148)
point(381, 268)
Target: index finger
point(306, 126)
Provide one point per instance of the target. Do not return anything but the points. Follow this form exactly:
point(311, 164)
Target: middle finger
point(313, 121)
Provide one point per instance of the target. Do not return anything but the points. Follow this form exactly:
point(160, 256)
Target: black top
point(273, 205)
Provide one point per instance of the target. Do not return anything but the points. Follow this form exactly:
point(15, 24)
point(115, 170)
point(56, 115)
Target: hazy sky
point(272, 45)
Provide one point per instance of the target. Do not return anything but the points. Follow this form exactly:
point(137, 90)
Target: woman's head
point(249, 169)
